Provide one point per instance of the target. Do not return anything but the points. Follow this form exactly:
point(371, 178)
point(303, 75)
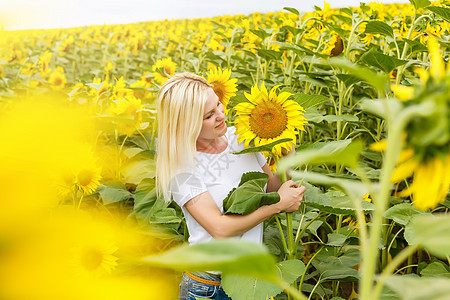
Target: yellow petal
point(402, 92)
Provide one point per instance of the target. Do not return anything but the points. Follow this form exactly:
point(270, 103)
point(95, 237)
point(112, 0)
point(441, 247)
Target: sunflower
point(431, 181)
point(169, 68)
point(128, 108)
point(58, 79)
point(223, 86)
point(268, 117)
point(88, 179)
point(95, 258)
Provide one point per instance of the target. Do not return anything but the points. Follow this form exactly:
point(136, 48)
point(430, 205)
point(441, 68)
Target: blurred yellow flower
point(129, 109)
point(223, 86)
point(57, 79)
point(168, 68)
point(402, 92)
point(437, 68)
point(430, 184)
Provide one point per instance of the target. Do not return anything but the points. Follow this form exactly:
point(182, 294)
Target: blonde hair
point(181, 105)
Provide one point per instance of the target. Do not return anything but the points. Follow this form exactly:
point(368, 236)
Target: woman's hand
point(291, 196)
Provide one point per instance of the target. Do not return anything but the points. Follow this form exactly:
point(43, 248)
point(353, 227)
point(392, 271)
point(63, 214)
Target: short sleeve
point(261, 159)
point(185, 186)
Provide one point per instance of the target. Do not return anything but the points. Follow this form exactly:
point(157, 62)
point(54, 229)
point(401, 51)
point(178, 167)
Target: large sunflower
point(223, 86)
point(268, 117)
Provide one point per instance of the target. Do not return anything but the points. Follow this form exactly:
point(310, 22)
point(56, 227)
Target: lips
point(221, 125)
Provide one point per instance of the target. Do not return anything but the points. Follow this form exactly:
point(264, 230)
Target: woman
point(196, 169)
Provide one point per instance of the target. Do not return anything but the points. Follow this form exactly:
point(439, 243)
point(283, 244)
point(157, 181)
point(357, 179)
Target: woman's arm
point(205, 211)
point(274, 182)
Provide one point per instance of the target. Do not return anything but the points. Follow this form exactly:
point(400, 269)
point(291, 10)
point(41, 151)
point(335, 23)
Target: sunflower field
point(351, 102)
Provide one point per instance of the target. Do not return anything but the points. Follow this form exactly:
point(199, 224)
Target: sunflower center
point(218, 90)
point(85, 177)
point(58, 81)
point(91, 259)
point(268, 120)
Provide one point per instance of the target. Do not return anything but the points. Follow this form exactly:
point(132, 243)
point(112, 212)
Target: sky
point(42, 14)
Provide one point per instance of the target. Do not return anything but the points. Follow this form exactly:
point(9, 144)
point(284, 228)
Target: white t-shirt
point(218, 174)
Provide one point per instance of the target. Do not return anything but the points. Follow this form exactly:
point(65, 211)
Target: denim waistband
point(207, 276)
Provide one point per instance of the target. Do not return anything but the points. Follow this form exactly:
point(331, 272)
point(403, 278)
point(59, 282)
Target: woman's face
point(213, 118)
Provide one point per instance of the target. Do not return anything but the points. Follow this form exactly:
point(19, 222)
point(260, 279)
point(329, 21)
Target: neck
point(212, 146)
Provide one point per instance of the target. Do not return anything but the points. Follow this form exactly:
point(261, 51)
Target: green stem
point(291, 291)
point(145, 140)
point(306, 268)
point(81, 199)
point(390, 268)
point(283, 239)
point(290, 235)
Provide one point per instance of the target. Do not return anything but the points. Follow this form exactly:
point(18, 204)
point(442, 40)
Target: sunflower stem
point(81, 199)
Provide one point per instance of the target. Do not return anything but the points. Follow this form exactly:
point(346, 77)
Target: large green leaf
point(430, 231)
point(402, 213)
point(269, 54)
point(420, 3)
point(344, 152)
point(381, 61)
point(112, 192)
point(378, 27)
point(246, 288)
point(382, 108)
point(376, 80)
point(335, 268)
point(249, 195)
point(419, 288)
point(307, 101)
point(342, 118)
point(444, 12)
point(152, 210)
point(231, 256)
point(141, 166)
point(332, 202)
point(436, 269)
point(263, 148)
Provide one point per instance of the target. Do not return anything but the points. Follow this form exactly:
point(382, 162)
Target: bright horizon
point(47, 14)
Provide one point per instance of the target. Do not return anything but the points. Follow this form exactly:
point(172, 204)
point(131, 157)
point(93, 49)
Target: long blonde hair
point(181, 105)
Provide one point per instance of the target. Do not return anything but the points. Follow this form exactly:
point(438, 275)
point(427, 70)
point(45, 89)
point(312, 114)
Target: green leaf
point(231, 256)
point(243, 288)
point(381, 61)
point(401, 213)
point(336, 239)
point(152, 210)
point(378, 27)
point(141, 166)
point(430, 231)
point(444, 12)
point(436, 269)
point(306, 101)
point(420, 3)
point(342, 118)
point(112, 192)
point(332, 202)
point(292, 10)
point(376, 80)
point(263, 34)
point(348, 79)
point(413, 287)
point(269, 54)
point(382, 108)
point(344, 152)
point(249, 195)
point(262, 148)
point(332, 268)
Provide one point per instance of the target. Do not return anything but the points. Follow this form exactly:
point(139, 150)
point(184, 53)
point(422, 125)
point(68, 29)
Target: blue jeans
point(191, 289)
